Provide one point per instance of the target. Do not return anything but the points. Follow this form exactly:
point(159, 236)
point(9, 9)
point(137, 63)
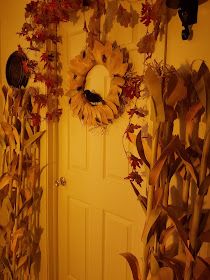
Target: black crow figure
point(93, 98)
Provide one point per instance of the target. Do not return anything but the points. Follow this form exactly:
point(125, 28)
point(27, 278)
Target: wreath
point(89, 106)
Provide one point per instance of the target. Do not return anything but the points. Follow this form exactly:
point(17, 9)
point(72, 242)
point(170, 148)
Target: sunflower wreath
point(89, 106)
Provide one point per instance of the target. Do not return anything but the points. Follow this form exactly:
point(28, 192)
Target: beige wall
point(179, 51)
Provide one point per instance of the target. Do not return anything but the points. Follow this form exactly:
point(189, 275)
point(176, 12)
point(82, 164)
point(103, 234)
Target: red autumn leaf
point(35, 119)
point(131, 88)
point(134, 176)
point(146, 13)
point(123, 16)
point(40, 99)
point(130, 129)
point(138, 112)
point(32, 7)
point(135, 162)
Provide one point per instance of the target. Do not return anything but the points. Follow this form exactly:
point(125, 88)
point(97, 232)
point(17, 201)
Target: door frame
point(50, 262)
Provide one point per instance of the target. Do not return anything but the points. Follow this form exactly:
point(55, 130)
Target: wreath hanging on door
point(90, 106)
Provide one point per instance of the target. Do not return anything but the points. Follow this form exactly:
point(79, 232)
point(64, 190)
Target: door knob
point(60, 182)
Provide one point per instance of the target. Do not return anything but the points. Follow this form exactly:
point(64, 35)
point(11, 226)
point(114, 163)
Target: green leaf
point(134, 265)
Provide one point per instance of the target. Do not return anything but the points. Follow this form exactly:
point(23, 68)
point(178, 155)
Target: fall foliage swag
point(40, 28)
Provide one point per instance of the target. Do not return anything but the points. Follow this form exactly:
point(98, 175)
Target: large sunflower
point(90, 107)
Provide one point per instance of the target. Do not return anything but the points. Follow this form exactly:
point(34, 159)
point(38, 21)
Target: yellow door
point(99, 216)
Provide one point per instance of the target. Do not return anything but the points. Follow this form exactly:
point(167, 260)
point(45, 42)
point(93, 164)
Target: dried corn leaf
point(140, 149)
point(17, 139)
point(158, 166)
point(203, 188)
point(5, 180)
point(164, 273)
point(154, 215)
point(182, 233)
point(158, 197)
point(33, 139)
point(201, 269)
point(13, 165)
point(154, 266)
point(187, 162)
point(134, 265)
point(205, 236)
point(202, 87)
point(15, 236)
point(153, 83)
point(22, 261)
point(190, 117)
point(5, 212)
point(8, 130)
point(179, 93)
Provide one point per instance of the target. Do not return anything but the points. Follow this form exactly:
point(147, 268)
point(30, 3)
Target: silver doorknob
point(60, 182)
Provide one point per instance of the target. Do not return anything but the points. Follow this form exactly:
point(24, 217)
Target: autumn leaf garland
point(42, 17)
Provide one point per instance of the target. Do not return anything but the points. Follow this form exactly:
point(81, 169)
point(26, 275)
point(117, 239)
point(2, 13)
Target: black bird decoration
point(93, 98)
point(187, 11)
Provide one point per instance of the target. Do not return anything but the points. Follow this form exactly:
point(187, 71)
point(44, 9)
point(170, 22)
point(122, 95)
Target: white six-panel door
point(99, 216)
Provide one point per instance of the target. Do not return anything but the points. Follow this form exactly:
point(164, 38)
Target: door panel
point(99, 217)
